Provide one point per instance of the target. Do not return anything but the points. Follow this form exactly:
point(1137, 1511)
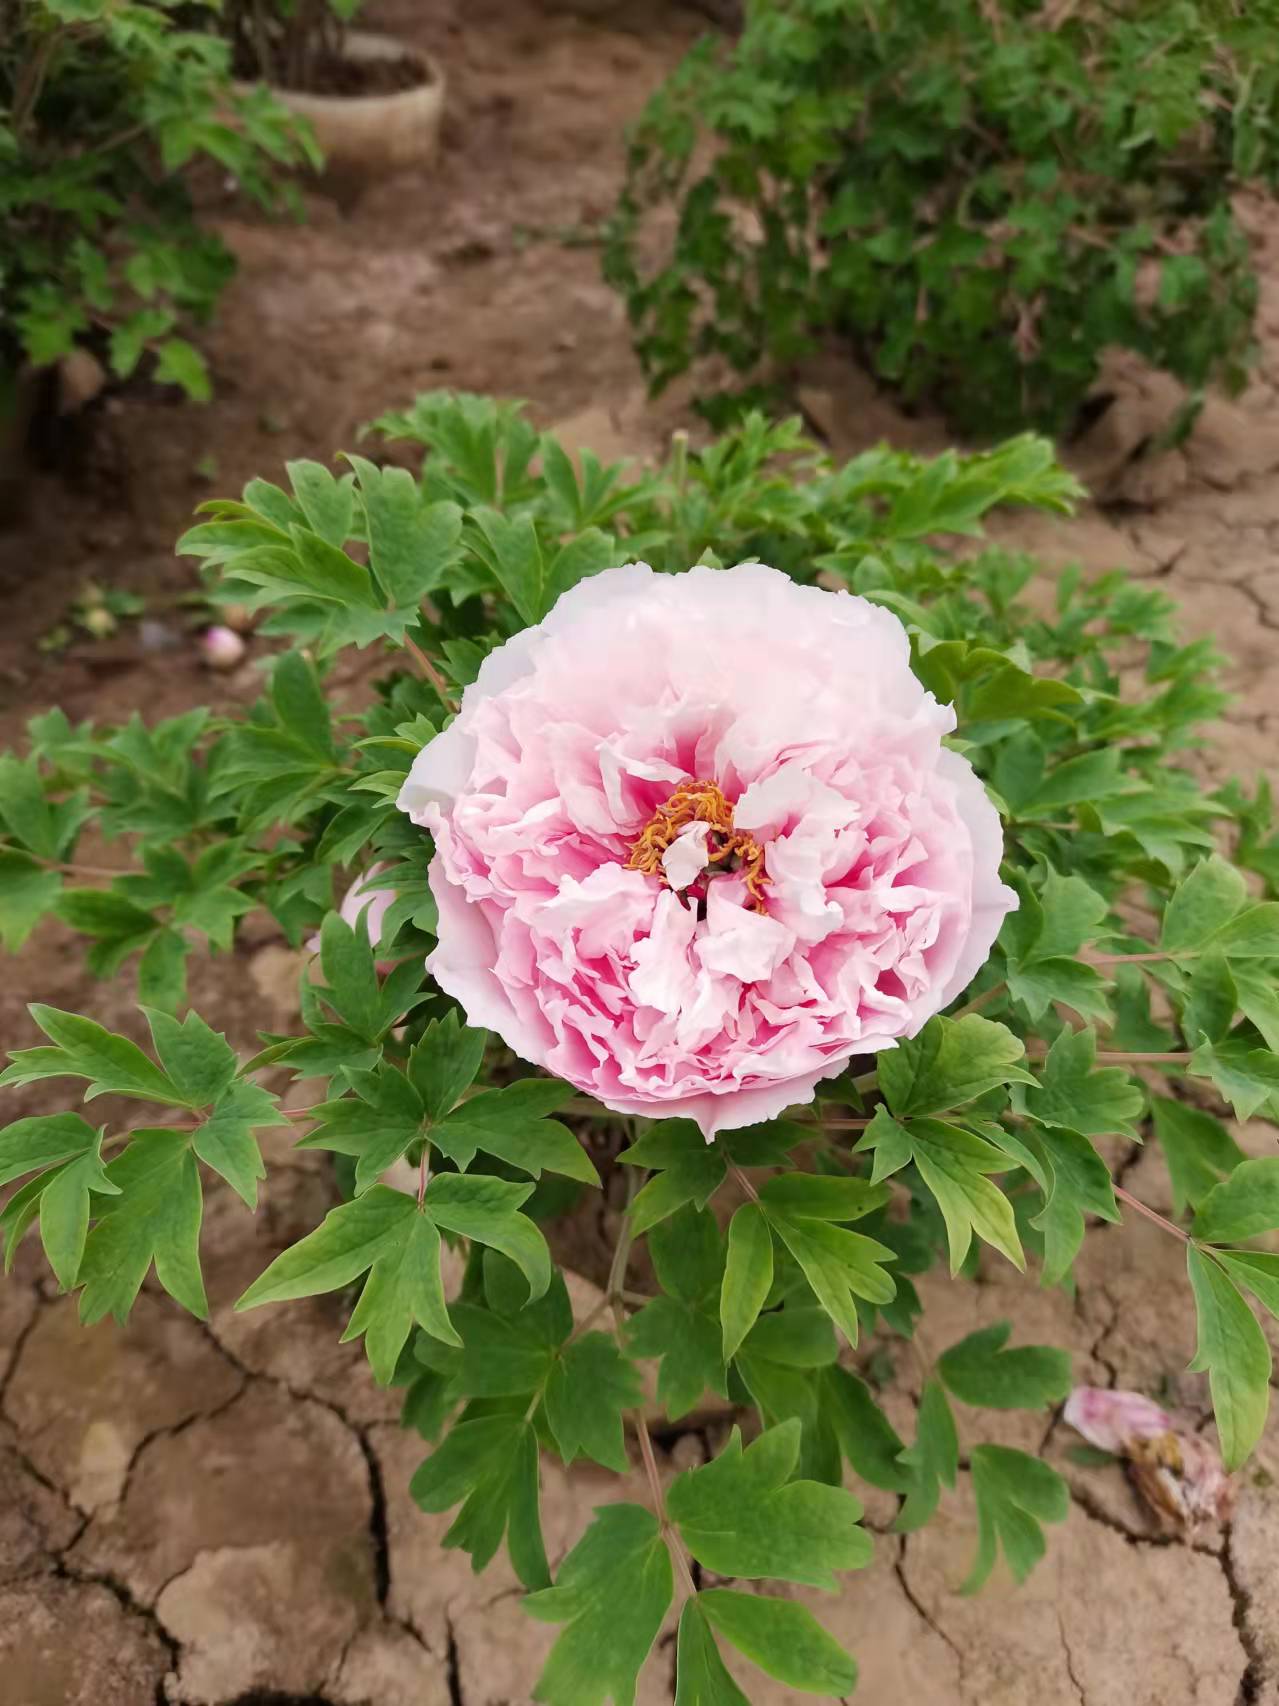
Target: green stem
point(1112, 1057)
point(979, 1001)
point(1137, 959)
point(69, 870)
point(743, 1181)
point(613, 1295)
point(428, 672)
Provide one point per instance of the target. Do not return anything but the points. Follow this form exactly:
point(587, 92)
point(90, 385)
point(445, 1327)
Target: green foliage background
point(980, 195)
point(1131, 997)
point(103, 106)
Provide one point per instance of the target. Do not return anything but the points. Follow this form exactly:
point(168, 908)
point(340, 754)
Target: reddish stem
point(1150, 1213)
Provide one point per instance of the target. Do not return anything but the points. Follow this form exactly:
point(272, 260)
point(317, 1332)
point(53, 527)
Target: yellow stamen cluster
point(732, 849)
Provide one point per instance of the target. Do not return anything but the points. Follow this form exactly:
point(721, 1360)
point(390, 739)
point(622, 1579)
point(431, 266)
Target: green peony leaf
point(933, 1460)
point(488, 1465)
point(688, 1255)
point(953, 1163)
point(346, 959)
point(612, 1592)
point(687, 1338)
point(487, 1210)
point(43, 1140)
point(1016, 1494)
point(742, 1515)
point(980, 1370)
point(822, 1196)
point(840, 1266)
point(798, 1336)
point(1079, 1184)
point(510, 1123)
point(404, 1288)
point(1202, 903)
point(1245, 1075)
point(348, 1241)
point(65, 1209)
point(1258, 1270)
point(700, 1676)
point(950, 1062)
point(82, 1049)
point(866, 1437)
point(153, 1217)
point(27, 892)
point(1242, 1205)
point(1198, 1149)
point(688, 1170)
point(512, 1356)
point(784, 1639)
point(443, 1063)
point(1077, 1095)
point(199, 1060)
point(748, 1275)
point(1233, 1352)
point(590, 1385)
point(412, 544)
point(376, 1126)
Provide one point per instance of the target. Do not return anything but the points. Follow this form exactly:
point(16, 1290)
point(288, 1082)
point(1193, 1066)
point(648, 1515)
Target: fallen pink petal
point(1178, 1473)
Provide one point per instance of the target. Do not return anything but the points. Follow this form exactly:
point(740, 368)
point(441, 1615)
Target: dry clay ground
point(207, 1514)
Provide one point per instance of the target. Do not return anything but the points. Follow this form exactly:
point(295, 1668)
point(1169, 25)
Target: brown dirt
point(208, 1514)
point(335, 75)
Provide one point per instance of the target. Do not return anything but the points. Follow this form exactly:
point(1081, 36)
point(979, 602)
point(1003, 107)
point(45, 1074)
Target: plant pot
point(367, 135)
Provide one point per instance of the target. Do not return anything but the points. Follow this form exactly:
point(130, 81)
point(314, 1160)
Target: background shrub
point(103, 105)
point(980, 195)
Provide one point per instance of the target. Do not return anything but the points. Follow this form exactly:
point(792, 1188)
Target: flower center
point(728, 848)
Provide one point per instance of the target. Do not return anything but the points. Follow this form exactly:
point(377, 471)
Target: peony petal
point(685, 859)
point(881, 894)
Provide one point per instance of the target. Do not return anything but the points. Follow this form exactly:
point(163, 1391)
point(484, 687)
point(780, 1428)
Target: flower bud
point(359, 899)
point(221, 648)
point(98, 621)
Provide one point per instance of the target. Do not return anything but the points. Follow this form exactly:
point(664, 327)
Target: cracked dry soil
point(217, 1514)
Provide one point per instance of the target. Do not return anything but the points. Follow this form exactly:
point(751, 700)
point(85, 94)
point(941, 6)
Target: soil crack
point(453, 1669)
point(20, 1339)
point(128, 1602)
point(921, 1611)
point(1070, 1660)
point(1241, 1602)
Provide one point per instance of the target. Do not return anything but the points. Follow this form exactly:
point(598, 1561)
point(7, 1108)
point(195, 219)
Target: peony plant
point(975, 200)
point(832, 918)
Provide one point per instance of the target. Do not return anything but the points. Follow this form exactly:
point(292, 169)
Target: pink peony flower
point(698, 842)
point(361, 899)
point(1178, 1473)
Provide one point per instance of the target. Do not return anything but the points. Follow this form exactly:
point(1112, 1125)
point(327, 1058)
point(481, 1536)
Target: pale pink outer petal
point(992, 900)
point(462, 964)
point(440, 771)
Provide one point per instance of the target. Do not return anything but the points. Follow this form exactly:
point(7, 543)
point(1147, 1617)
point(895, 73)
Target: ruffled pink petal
point(673, 994)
